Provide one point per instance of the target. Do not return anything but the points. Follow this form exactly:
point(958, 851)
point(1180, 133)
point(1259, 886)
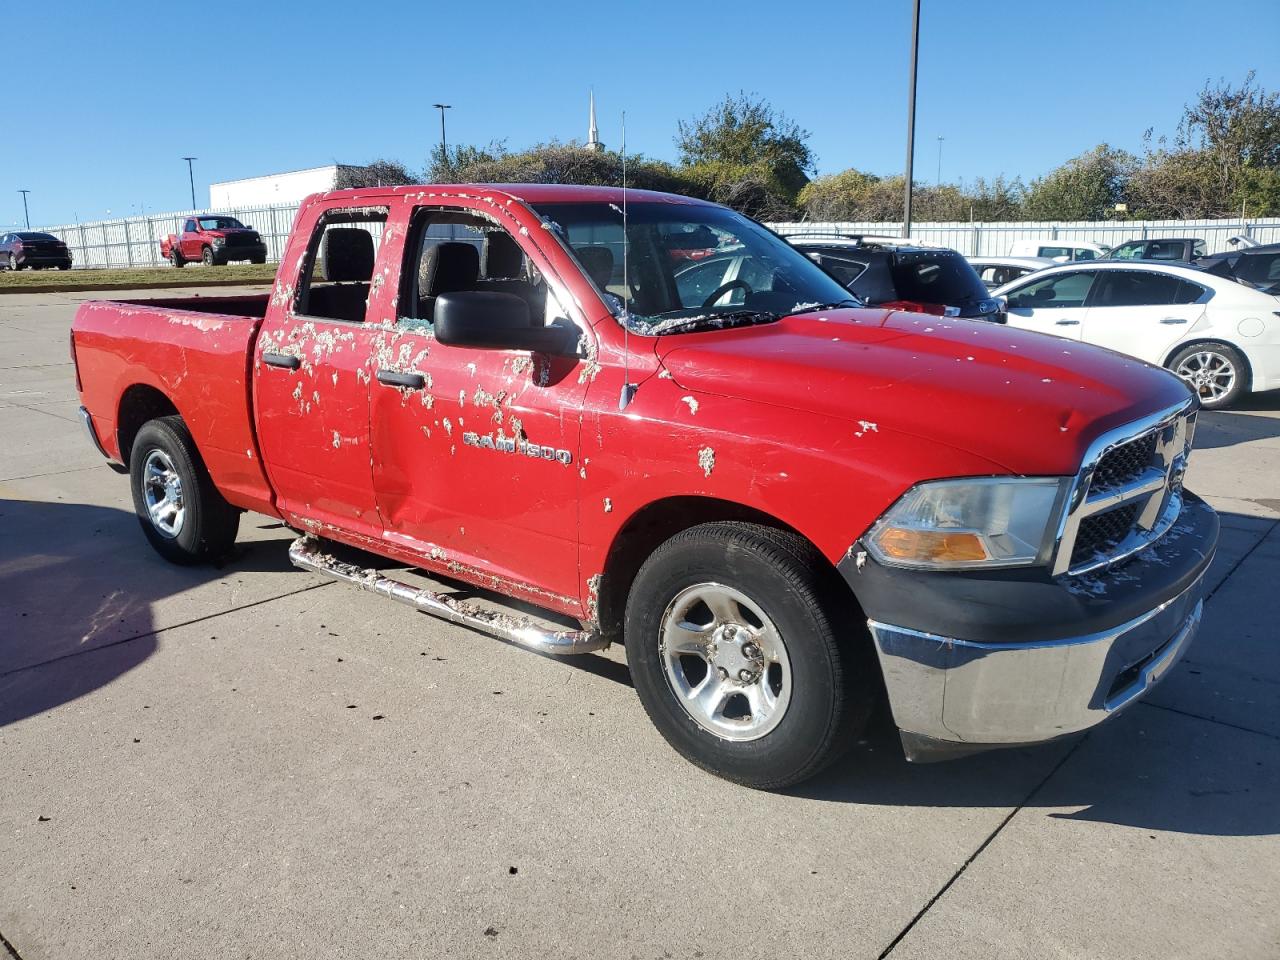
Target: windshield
point(689, 266)
point(220, 223)
point(936, 277)
point(1128, 251)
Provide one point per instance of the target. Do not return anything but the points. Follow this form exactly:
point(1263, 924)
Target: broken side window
point(335, 281)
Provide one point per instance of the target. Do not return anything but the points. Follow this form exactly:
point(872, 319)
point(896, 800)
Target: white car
point(1220, 336)
point(997, 271)
point(1060, 251)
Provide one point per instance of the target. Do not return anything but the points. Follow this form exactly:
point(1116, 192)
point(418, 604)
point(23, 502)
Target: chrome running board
point(306, 552)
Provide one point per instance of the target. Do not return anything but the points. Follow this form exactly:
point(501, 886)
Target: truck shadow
point(1148, 771)
point(78, 582)
point(1248, 422)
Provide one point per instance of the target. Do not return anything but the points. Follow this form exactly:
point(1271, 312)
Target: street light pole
point(444, 145)
point(192, 177)
point(25, 215)
point(940, 139)
point(911, 119)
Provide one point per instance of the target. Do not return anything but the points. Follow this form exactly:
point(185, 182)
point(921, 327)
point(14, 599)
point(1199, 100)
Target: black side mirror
point(499, 321)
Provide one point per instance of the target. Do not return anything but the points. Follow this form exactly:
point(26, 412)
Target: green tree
point(995, 200)
point(744, 140)
point(378, 173)
point(554, 163)
point(1086, 187)
point(1225, 154)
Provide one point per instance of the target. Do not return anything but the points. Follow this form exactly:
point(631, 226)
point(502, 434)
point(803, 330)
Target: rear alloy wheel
point(179, 509)
point(740, 648)
point(176, 258)
point(1215, 371)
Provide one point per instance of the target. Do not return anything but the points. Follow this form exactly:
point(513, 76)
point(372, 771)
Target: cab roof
point(532, 193)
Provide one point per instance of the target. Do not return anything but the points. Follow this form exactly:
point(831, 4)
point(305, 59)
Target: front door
point(1054, 304)
point(1141, 312)
point(475, 451)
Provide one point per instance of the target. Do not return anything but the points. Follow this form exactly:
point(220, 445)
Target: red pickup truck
point(785, 505)
point(215, 241)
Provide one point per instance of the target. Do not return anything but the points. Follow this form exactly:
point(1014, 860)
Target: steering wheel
point(724, 288)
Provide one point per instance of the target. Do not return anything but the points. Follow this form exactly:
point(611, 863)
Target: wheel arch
point(658, 521)
point(1196, 341)
point(138, 404)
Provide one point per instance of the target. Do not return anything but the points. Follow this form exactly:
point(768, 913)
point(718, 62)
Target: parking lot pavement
point(252, 761)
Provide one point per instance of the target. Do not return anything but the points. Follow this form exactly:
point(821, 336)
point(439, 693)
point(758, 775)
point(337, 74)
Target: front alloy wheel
point(747, 653)
point(725, 662)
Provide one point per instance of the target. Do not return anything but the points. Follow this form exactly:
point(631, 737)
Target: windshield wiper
point(707, 321)
point(814, 307)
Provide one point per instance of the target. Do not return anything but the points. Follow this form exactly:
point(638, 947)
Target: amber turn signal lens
point(931, 545)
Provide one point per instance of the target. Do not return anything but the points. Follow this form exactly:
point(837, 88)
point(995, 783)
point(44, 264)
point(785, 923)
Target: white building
point(274, 188)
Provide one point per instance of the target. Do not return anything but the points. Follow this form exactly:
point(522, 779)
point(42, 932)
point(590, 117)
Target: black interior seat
point(504, 271)
point(598, 262)
point(347, 255)
point(450, 267)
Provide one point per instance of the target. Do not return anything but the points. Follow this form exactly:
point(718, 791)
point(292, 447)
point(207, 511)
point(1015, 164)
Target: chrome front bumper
point(951, 697)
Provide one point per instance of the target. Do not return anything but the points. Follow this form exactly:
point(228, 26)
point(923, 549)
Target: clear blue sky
point(103, 98)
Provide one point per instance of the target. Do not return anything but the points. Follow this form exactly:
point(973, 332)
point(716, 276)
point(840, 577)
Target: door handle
point(282, 360)
point(1174, 320)
point(412, 381)
point(1067, 323)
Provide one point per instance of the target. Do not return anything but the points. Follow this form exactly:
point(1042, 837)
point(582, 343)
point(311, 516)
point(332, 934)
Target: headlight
point(979, 522)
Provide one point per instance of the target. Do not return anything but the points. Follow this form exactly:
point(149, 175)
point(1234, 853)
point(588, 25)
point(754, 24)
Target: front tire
point(181, 512)
point(733, 636)
point(206, 257)
point(1215, 371)
point(13, 263)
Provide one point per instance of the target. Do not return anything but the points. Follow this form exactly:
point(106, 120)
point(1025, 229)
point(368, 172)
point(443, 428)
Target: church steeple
point(593, 134)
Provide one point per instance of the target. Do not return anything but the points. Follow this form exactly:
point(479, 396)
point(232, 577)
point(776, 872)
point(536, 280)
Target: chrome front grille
point(1128, 493)
point(1124, 463)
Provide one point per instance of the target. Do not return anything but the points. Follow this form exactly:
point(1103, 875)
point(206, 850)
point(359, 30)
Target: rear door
point(311, 370)
point(1142, 312)
point(1054, 304)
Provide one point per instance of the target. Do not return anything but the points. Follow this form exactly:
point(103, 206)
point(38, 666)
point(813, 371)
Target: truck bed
point(139, 359)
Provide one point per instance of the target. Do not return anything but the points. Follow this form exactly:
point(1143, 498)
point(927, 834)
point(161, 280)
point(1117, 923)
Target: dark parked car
point(1257, 266)
point(36, 250)
point(903, 276)
point(1166, 248)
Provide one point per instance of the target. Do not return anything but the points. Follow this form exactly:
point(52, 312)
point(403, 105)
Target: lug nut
point(746, 676)
point(750, 651)
point(730, 630)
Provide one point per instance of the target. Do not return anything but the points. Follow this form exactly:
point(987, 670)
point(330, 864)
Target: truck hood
point(1027, 401)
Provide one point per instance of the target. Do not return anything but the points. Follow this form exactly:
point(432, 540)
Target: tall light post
point(940, 139)
point(192, 177)
point(911, 119)
point(25, 215)
point(444, 145)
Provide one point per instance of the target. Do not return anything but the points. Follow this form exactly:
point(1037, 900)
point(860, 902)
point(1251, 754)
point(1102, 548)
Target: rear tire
point(1215, 371)
point(259, 260)
point(781, 691)
point(181, 512)
point(176, 258)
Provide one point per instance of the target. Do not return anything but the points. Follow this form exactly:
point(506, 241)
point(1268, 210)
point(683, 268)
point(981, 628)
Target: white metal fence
point(997, 239)
point(135, 241)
